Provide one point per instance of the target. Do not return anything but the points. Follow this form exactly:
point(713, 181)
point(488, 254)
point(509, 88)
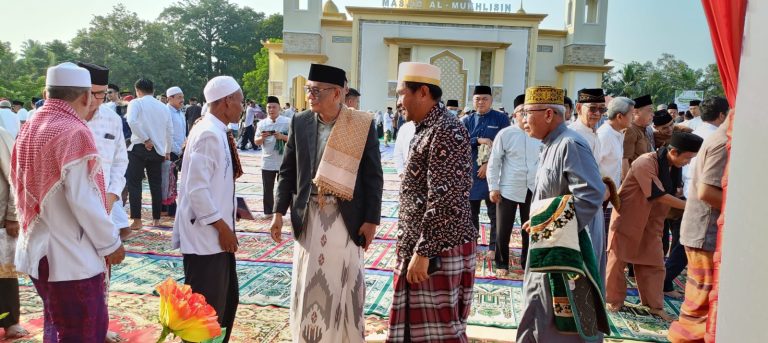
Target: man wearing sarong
point(66, 231)
point(647, 194)
point(332, 180)
point(566, 167)
point(698, 234)
point(636, 141)
point(436, 238)
point(204, 228)
point(107, 129)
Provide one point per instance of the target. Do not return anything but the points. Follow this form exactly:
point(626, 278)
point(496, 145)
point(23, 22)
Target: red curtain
point(726, 26)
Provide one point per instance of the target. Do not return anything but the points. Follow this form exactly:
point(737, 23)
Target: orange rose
point(185, 314)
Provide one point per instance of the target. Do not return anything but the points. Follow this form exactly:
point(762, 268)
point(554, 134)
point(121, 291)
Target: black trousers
point(677, 259)
point(215, 277)
point(171, 209)
point(248, 135)
point(506, 211)
point(268, 177)
point(474, 206)
point(9, 302)
point(140, 159)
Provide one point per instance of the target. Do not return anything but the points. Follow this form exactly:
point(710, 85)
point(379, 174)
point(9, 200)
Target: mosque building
point(473, 43)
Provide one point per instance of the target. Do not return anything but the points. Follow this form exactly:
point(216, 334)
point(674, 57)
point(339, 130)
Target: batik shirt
point(434, 196)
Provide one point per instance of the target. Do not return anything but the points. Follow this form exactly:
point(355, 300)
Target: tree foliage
point(662, 79)
point(190, 42)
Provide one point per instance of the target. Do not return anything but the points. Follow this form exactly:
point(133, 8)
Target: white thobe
point(694, 123)
point(149, 119)
point(10, 121)
point(589, 135)
point(403, 145)
point(513, 163)
point(611, 152)
point(73, 230)
point(107, 129)
point(179, 129)
point(206, 190)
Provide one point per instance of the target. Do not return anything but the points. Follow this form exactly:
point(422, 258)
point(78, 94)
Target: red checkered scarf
point(51, 141)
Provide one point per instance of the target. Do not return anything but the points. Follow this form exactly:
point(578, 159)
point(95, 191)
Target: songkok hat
point(17, 103)
point(482, 90)
point(694, 103)
point(219, 87)
point(591, 95)
point(452, 103)
point(661, 118)
point(273, 100)
point(99, 74)
point(419, 72)
point(353, 92)
point(686, 142)
point(642, 101)
point(68, 74)
point(672, 106)
point(327, 74)
point(5, 104)
point(544, 95)
point(519, 100)
point(173, 91)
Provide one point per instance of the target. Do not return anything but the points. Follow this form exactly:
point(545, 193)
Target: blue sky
point(638, 30)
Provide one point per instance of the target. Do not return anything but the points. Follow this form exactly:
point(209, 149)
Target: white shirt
point(10, 121)
point(270, 158)
point(179, 129)
point(149, 119)
point(403, 145)
point(30, 114)
point(611, 152)
point(107, 129)
point(206, 190)
point(705, 130)
point(589, 135)
point(694, 123)
point(387, 122)
point(23, 114)
point(74, 231)
point(250, 113)
point(288, 113)
point(513, 163)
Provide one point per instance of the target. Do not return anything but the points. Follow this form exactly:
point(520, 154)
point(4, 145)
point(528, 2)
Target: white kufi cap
point(68, 74)
point(219, 87)
point(419, 72)
point(173, 91)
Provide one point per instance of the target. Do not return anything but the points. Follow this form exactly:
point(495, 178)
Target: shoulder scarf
point(337, 171)
point(671, 178)
point(53, 140)
point(559, 249)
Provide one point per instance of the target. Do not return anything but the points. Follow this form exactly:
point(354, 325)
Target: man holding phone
point(271, 135)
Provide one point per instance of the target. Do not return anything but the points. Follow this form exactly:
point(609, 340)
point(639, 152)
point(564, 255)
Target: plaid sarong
point(437, 308)
point(694, 313)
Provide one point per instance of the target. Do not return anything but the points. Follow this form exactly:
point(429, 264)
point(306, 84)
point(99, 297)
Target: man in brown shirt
point(647, 194)
point(636, 140)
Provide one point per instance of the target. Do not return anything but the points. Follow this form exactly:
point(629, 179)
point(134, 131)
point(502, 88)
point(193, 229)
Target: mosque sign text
point(449, 5)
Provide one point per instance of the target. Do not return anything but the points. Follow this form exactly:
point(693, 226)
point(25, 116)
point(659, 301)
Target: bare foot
point(613, 307)
point(15, 331)
point(156, 222)
point(490, 255)
point(113, 337)
point(661, 313)
point(125, 233)
point(502, 272)
point(674, 295)
point(136, 224)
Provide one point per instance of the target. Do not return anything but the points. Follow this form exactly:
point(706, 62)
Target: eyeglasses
point(595, 109)
point(315, 91)
point(526, 113)
point(99, 95)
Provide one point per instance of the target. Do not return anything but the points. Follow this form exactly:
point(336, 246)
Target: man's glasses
point(99, 95)
point(597, 110)
point(526, 113)
point(315, 91)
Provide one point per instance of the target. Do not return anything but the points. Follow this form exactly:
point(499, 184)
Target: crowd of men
point(598, 192)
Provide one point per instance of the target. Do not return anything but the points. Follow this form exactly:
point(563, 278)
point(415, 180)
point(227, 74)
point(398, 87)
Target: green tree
point(255, 81)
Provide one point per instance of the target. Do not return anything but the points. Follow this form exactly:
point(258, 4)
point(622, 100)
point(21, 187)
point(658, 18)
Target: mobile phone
point(435, 264)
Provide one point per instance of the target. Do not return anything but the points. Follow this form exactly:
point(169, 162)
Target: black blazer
point(296, 174)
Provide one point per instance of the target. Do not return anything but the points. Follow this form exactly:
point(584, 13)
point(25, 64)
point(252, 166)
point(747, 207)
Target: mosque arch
point(452, 74)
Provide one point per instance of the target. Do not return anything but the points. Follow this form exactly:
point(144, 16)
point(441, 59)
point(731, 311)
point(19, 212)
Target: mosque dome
point(330, 7)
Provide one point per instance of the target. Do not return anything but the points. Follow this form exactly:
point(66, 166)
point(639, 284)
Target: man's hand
point(276, 228)
point(227, 240)
point(417, 269)
point(12, 228)
point(368, 231)
point(117, 256)
point(495, 197)
point(486, 141)
point(148, 144)
point(481, 171)
point(111, 199)
point(168, 157)
point(265, 134)
point(527, 226)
